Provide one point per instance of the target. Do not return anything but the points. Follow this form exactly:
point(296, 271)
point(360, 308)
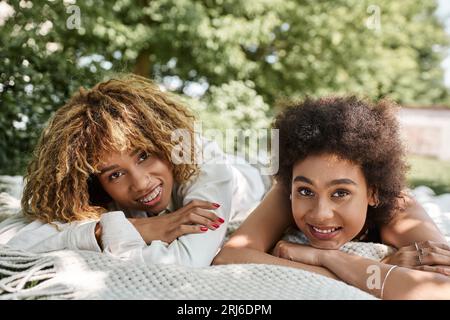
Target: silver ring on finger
point(420, 259)
point(417, 246)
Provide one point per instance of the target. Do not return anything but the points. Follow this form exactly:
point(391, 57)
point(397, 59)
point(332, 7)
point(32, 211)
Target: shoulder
point(215, 172)
point(210, 175)
point(213, 163)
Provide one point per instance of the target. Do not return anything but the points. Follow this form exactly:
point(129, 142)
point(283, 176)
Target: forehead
point(327, 167)
point(114, 157)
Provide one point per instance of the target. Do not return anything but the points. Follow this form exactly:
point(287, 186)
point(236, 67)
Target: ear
point(373, 197)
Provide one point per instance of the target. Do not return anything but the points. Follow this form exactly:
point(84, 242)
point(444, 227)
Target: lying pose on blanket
point(103, 177)
point(340, 179)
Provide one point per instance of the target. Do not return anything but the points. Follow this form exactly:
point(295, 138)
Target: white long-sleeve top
point(237, 187)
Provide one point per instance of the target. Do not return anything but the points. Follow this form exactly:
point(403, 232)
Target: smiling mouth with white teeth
point(153, 197)
point(324, 233)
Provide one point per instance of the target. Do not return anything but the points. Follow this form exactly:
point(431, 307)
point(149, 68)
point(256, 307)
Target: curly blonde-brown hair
point(125, 113)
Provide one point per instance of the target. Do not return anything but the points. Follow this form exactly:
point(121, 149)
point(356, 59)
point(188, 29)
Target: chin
point(153, 210)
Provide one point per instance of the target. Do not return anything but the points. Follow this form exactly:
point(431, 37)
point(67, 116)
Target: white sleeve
point(120, 239)
point(36, 236)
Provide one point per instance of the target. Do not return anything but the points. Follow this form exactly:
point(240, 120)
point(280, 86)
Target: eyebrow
point(331, 183)
point(134, 152)
point(108, 169)
point(114, 166)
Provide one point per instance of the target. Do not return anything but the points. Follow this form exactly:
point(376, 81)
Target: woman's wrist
point(326, 257)
point(144, 227)
point(137, 223)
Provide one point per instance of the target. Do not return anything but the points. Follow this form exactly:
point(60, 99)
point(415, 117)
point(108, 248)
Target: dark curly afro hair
point(354, 129)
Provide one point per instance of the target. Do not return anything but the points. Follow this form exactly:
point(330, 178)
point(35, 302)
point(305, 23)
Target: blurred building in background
point(426, 131)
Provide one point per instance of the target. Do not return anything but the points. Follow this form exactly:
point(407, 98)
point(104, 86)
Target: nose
point(140, 181)
point(323, 211)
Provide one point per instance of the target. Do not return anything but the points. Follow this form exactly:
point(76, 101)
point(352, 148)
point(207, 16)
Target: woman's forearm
point(402, 283)
point(246, 255)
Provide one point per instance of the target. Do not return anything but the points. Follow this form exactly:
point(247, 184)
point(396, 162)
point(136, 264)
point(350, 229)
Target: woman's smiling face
point(329, 200)
point(137, 180)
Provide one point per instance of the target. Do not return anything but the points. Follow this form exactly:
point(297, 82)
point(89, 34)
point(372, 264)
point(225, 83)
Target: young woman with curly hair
point(103, 177)
point(340, 179)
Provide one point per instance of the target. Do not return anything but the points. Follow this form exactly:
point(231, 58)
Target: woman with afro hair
point(341, 178)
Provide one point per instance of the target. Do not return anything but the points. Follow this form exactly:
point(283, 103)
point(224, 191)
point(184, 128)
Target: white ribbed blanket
point(89, 275)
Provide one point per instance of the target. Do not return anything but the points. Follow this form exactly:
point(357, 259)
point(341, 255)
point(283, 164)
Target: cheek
point(161, 169)
point(115, 190)
point(299, 208)
point(354, 216)
point(168, 175)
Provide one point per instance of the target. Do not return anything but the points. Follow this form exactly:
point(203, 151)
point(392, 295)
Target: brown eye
point(143, 156)
point(340, 194)
point(305, 192)
point(115, 175)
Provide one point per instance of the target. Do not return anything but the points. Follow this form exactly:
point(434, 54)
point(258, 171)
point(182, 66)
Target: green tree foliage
point(232, 59)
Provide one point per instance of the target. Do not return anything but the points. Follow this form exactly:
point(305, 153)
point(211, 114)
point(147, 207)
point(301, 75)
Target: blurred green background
point(231, 60)
point(430, 172)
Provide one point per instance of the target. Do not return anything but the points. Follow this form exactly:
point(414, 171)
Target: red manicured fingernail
point(215, 225)
point(203, 228)
point(216, 205)
point(221, 220)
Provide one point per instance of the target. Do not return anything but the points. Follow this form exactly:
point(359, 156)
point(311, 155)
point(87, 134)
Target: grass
point(430, 172)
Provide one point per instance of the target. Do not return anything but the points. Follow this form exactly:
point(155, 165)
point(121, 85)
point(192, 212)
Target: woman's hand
point(299, 252)
point(195, 217)
point(427, 256)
